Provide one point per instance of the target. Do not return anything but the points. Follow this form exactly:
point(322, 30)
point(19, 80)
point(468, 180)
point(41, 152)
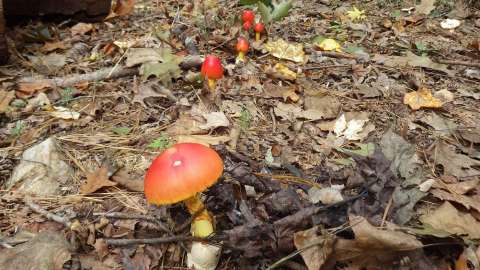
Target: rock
point(41, 170)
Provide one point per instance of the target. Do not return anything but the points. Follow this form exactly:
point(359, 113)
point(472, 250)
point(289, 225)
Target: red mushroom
point(248, 16)
point(259, 28)
point(242, 48)
point(247, 25)
point(179, 174)
point(212, 70)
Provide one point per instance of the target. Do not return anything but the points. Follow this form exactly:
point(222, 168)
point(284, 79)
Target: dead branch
point(39, 210)
point(161, 240)
point(121, 215)
point(459, 63)
point(102, 74)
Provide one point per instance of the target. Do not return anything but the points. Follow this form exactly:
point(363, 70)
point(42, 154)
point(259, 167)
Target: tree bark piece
point(3, 42)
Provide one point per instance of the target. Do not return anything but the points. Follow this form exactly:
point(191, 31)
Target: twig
point(38, 209)
point(338, 55)
point(161, 240)
point(102, 74)
point(120, 215)
point(459, 63)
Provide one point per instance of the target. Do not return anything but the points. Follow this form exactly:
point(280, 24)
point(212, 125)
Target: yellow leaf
point(421, 98)
point(284, 50)
point(329, 44)
point(280, 71)
point(356, 15)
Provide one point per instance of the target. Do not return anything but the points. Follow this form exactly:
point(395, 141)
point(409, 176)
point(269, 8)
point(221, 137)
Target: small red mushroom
point(248, 16)
point(179, 174)
point(259, 28)
point(247, 25)
point(212, 70)
point(242, 48)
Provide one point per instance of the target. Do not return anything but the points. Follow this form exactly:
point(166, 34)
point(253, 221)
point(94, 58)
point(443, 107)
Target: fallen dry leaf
point(202, 139)
point(374, 247)
point(284, 50)
point(425, 7)
point(123, 7)
point(448, 219)
point(28, 89)
point(422, 98)
point(411, 60)
point(64, 113)
point(52, 46)
point(124, 179)
point(454, 163)
point(280, 71)
point(468, 202)
point(150, 90)
point(215, 120)
point(316, 256)
point(326, 195)
point(81, 28)
point(5, 98)
point(96, 180)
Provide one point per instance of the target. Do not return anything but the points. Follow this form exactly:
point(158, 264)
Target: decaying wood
point(99, 75)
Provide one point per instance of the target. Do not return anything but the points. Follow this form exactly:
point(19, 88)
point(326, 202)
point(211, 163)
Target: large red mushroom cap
point(248, 16)
point(212, 68)
point(180, 172)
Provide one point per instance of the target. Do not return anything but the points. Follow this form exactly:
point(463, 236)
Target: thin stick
point(121, 215)
point(459, 63)
point(161, 240)
point(38, 209)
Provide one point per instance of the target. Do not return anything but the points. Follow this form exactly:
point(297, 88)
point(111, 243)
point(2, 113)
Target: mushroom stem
point(212, 84)
point(257, 36)
point(202, 224)
point(241, 57)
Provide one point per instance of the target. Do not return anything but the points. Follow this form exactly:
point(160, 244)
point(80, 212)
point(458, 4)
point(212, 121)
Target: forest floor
point(366, 156)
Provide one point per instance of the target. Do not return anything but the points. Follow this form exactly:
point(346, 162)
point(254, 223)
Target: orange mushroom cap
point(259, 27)
point(212, 68)
point(248, 16)
point(242, 45)
point(180, 172)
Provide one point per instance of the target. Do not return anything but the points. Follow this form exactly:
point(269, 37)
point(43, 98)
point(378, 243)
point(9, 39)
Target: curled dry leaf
point(64, 113)
point(281, 71)
point(96, 180)
point(316, 256)
point(27, 89)
point(422, 98)
point(81, 29)
point(448, 219)
point(5, 98)
point(284, 50)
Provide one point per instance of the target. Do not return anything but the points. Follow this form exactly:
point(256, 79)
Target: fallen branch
point(161, 240)
point(99, 75)
point(120, 215)
point(39, 210)
point(459, 63)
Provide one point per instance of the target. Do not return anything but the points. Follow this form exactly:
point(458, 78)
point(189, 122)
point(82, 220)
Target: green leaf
point(281, 10)
point(251, 2)
point(264, 12)
point(365, 149)
point(160, 143)
point(122, 131)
